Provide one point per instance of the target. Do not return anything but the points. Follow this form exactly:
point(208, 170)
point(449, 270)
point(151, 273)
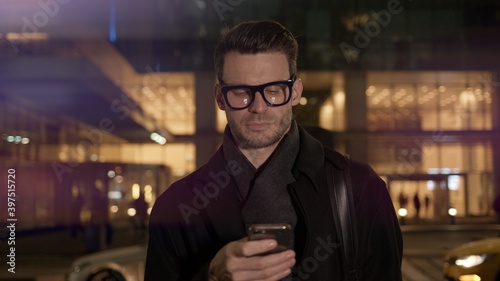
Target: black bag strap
point(342, 203)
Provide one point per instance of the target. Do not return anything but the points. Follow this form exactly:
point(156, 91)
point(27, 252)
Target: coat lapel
point(222, 213)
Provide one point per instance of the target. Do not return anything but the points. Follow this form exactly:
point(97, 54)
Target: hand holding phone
point(246, 256)
point(279, 232)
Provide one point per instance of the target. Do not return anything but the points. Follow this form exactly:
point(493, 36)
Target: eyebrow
point(222, 82)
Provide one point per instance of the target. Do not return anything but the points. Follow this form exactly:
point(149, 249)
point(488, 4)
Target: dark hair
point(254, 37)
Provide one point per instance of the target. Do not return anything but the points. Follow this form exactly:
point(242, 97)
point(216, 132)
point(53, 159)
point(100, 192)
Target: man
point(268, 170)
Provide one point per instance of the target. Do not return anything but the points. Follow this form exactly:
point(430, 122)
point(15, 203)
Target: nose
point(259, 104)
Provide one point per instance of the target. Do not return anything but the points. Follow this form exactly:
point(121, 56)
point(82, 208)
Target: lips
point(257, 126)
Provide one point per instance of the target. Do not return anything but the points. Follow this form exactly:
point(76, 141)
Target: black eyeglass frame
point(259, 88)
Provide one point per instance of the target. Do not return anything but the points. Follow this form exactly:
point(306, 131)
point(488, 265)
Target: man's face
point(259, 125)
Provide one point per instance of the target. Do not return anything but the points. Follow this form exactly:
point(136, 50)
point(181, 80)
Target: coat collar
point(309, 160)
point(312, 156)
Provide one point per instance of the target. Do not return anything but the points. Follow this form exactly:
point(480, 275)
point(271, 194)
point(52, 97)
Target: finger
point(279, 275)
point(271, 260)
point(272, 267)
point(252, 248)
point(255, 276)
point(256, 263)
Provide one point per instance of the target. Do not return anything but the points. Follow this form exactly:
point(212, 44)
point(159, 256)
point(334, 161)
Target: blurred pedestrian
point(141, 213)
point(402, 200)
point(427, 202)
point(76, 225)
point(100, 231)
point(416, 203)
point(496, 207)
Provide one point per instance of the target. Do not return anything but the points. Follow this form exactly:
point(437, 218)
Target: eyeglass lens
point(275, 94)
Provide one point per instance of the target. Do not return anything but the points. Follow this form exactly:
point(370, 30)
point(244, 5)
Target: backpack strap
point(342, 203)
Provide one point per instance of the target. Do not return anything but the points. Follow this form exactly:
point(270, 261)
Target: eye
point(273, 90)
point(239, 92)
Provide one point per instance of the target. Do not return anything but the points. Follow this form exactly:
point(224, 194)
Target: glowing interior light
point(131, 212)
point(114, 209)
point(402, 212)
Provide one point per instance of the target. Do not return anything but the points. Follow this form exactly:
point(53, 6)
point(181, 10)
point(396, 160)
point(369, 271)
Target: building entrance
point(428, 196)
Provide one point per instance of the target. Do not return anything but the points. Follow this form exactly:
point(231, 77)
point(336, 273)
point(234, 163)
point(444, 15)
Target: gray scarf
point(263, 192)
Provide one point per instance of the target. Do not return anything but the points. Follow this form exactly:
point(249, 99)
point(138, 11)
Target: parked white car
point(121, 264)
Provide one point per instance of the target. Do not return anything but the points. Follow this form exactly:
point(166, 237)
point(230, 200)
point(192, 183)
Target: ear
point(219, 98)
point(297, 91)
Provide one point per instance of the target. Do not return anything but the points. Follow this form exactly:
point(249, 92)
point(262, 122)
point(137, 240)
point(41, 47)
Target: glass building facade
point(124, 102)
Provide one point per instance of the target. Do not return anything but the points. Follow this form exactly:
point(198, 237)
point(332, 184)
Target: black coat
point(199, 214)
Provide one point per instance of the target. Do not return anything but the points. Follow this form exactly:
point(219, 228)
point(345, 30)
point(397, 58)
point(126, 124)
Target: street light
point(402, 212)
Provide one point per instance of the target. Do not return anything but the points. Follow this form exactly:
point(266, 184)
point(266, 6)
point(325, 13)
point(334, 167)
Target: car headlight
point(471, 260)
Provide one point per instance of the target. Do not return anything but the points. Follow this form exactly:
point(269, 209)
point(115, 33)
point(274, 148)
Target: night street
point(205, 118)
point(47, 256)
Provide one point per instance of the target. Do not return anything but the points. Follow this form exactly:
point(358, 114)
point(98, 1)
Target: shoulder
point(337, 159)
point(364, 180)
point(186, 190)
point(343, 162)
point(496, 204)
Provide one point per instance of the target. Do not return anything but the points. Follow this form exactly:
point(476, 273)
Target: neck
point(258, 156)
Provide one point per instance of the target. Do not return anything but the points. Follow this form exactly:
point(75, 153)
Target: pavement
point(47, 255)
point(426, 245)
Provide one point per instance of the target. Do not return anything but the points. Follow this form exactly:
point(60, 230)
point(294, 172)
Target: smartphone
point(280, 232)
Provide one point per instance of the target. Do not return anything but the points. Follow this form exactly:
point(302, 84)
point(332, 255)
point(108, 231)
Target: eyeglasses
point(275, 93)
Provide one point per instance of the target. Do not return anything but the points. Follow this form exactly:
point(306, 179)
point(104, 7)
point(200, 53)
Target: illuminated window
point(429, 101)
point(169, 99)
